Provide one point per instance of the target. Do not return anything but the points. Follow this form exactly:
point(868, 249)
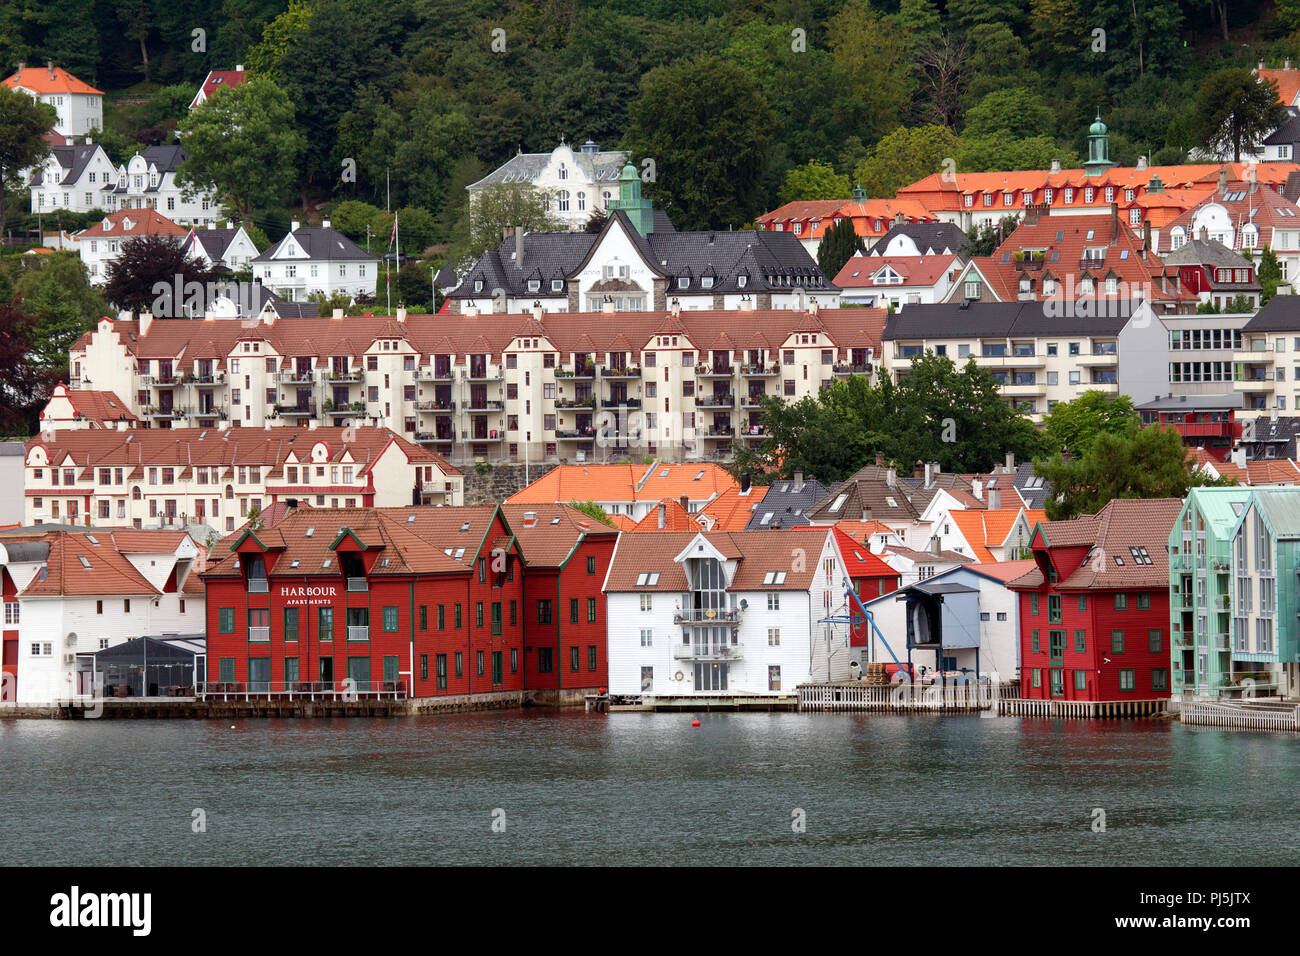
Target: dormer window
point(557, 285)
point(742, 281)
point(683, 282)
point(706, 282)
point(478, 285)
point(534, 285)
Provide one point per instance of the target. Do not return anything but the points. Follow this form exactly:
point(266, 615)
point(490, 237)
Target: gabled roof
point(698, 481)
point(757, 553)
point(129, 223)
point(600, 166)
point(1287, 82)
point(320, 244)
point(72, 159)
point(931, 238)
point(43, 79)
point(93, 562)
point(733, 509)
point(547, 534)
point(916, 271)
point(859, 562)
point(787, 501)
point(676, 518)
point(99, 406)
point(215, 80)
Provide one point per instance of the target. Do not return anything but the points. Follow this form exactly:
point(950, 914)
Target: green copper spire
point(637, 208)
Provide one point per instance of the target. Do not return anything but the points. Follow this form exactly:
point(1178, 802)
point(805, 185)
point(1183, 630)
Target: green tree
point(502, 206)
point(1015, 113)
point(23, 123)
point(839, 244)
point(277, 37)
point(1234, 109)
point(1149, 463)
point(1269, 274)
point(988, 236)
point(55, 290)
point(707, 164)
point(1075, 425)
point(592, 510)
point(876, 57)
point(904, 156)
point(352, 216)
point(814, 180)
point(243, 144)
point(145, 274)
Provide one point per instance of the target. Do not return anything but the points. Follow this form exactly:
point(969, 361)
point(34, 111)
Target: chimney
point(663, 515)
point(401, 313)
point(608, 307)
point(685, 502)
point(1142, 162)
point(798, 481)
point(880, 459)
point(1223, 180)
point(293, 226)
point(1252, 179)
point(1205, 234)
point(338, 313)
point(891, 477)
point(866, 514)
point(744, 482)
point(325, 223)
point(1114, 223)
point(21, 66)
point(995, 499)
point(50, 64)
point(919, 470)
point(537, 310)
point(929, 474)
point(1056, 165)
point(1261, 65)
point(471, 311)
point(146, 320)
point(676, 306)
point(977, 489)
point(519, 247)
point(1146, 237)
point(935, 548)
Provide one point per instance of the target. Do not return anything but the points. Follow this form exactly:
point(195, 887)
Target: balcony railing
point(340, 377)
point(436, 406)
point(358, 585)
point(708, 652)
point(216, 411)
point(705, 370)
point(484, 405)
point(294, 377)
point(434, 438)
point(358, 632)
point(621, 402)
point(296, 411)
point(627, 371)
point(259, 633)
point(570, 434)
point(847, 368)
point(427, 374)
point(258, 586)
point(772, 369)
point(589, 402)
point(706, 616)
point(707, 400)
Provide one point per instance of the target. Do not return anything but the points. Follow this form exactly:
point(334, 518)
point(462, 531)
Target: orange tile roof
point(861, 530)
point(756, 553)
point(1265, 207)
point(40, 79)
point(128, 223)
point(676, 518)
point(859, 562)
point(731, 510)
point(871, 218)
point(99, 406)
point(699, 481)
point(1005, 571)
point(105, 570)
point(1286, 81)
point(1280, 471)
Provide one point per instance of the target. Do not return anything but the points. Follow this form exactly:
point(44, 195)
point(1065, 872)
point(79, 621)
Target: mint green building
point(1201, 588)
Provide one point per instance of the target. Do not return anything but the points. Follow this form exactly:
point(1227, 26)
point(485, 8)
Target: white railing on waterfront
point(1210, 714)
point(856, 695)
point(346, 689)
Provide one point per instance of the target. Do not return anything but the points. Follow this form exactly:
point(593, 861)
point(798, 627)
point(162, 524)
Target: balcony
point(257, 586)
point(707, 400)
point(1183, 642)
point(432, 438)
point(482, 374)
point(294, 377)
point(628, 371)
point(705, 370)
point(1220, 642)
point(427, 374)
point(751, 401)
point(1206, 429)
point(484, 405)
point(296, 411)
point(358, 632)
point(574, 434)
point(753, 432)
point(434, 405)
point(848, 368)
point(207, 381)
point(173, 413)
point(357, 586)
point(359, 409)
point(774, 369)
point(341, 378)
point(620, 403)
point(216, 411)
point(706, 616)
point(582, 372)
point(589, 402)
point(161, 381)
point(1097, 358)
point(717, 431)
point(259, 633)
point(707, 652)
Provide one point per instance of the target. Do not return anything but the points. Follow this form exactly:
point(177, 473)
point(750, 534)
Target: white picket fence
point(898, 698)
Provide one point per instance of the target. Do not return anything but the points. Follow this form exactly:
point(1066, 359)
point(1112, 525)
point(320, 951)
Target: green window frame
point(496, 619)
point(591, 657)
point(482, 570)
point(424, 617)
point(591, 610)
point(1036, 646)
point(1080, 680)
point(1155, 640)
point(1117, 642)
point(325, 624)
point(1033, 603)
point(1159, 678)
point(1080, 641)
point(478, 613)
point(514, 613)
point(391, 619)
point(459, 619)
point(496, 668)
point(575, 659)
point(226, 669)
point(290, 624)
point(1083, 602)
point(441, 664)
point(1121, 602)
point(573, 610)
point(291, 670)
point(226, 621)
point(1127, 683)
point(1035, 677)
point(1143, 601)
point(591, 564)
point(442, 617)
point(1054, 609)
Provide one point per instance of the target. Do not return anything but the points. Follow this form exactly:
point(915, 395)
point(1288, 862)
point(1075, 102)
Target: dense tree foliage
point(1146, 463)
point(839, 244)
point(1075, 426)
point(23, 123)
point(936, 413)
point(148, 273)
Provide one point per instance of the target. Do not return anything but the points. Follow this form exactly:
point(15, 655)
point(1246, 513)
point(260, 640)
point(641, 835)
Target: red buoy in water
point(695, 723)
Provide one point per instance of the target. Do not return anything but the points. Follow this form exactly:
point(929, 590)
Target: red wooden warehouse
point(1094, 612)
point(418, 601)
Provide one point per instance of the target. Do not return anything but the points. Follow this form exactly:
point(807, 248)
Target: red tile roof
point(859, 271)
point(732, 509)
point(871, 218)
point(1265, 207)
point(95, 562)
point(218, 79)
point(676, 518)
point(129, 223)
point(1286, 81)
point(859, 562)
point(757, 553)
point(547, 534)
point(99, 406)
point(699, 481)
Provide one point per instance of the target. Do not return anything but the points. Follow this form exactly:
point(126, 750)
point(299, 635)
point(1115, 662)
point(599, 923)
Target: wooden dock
point(1262, 714)
point(1083, 709)
point(903, 698)
point(705, 703)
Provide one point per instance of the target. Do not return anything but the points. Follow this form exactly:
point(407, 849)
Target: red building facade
point(565, 556)
point(1094, 612)
point(869, 576)
point(422, 602)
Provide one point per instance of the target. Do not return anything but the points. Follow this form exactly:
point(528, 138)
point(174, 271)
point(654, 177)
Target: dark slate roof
point(216, 241)
point(1274, 431)
point(786, 505)
point(1280, 314)
point(167, 158)
point(931, 238)
point(1176, 403)
point(958, 320)
point(1032, 489)
point(771, 261)
point(294, 310)
point(1209, 252)
point(601, 167)
point(1288, 132)
point(1291, 188)
point(321, 243)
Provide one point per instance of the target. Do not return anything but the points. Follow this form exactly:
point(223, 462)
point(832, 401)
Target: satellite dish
point(71, 639)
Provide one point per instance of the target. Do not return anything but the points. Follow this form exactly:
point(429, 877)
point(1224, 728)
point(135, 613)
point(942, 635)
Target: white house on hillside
point(313, 260)
point(227, 246)
point(79, 105)
point(579, 182)
point(722, 613)
point(75, 178)
point(101, 243)
point(148, 181)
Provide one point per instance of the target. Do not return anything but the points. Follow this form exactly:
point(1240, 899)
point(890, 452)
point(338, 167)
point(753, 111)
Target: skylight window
point(464, 526)
point(460, 553)
point(85, 562)
point(767, 517)
point(383, 562)
point(555, 520)
point(1119, 561)
point(410, 519)
point(774, 577)
point(891, 502)
point(839, 502)
point(647, 579)
point(295, 562)
point(93, 540)
point(699, 476)
point(311, 530)
point(326, 563)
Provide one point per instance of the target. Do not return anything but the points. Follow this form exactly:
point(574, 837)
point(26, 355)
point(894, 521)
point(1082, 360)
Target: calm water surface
point(646, 789)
